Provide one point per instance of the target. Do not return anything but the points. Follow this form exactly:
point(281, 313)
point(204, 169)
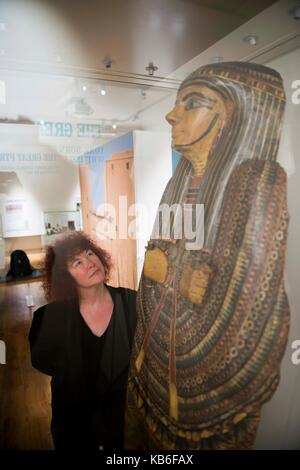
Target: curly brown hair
point(58, 284)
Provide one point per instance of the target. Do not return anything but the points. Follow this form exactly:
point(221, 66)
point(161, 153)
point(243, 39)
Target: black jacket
point(56, 346)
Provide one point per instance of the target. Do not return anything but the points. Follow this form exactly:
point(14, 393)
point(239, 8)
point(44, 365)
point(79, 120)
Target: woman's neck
point(96, 307)
point(94, 295)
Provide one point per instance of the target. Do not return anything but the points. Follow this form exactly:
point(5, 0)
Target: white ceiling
point(49, 49)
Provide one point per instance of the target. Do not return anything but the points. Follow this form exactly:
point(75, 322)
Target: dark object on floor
point(36, 273)
point(19, 265)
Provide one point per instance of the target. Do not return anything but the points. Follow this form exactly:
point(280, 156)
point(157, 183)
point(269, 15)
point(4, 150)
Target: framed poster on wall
point(15, 216)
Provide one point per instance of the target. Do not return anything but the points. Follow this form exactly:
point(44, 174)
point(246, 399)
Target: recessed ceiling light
point(114, 126)
point(107, 61)
point(251, 39)
point(103, 92)
point(84, 87)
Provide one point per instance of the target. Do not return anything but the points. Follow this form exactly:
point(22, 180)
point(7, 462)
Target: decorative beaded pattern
point(200, 372)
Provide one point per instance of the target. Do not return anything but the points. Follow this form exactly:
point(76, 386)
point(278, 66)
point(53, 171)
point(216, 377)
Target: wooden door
point(119, 182)
point(86, 202)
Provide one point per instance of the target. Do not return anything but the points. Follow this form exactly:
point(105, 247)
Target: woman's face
point(198, 113)
point(86, 269)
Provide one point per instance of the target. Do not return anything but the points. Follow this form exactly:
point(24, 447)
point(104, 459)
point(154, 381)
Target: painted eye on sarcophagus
point(194, 104)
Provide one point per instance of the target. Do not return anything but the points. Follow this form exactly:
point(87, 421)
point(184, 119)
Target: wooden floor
point(24, 392)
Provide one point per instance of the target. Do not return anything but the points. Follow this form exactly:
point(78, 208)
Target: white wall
point(152, 171)
point(46, 180)
point(154, 117)
point(280, 423)
point(29, 244)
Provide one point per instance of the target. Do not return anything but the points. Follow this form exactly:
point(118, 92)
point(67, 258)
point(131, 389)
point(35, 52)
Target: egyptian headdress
point(213, 323)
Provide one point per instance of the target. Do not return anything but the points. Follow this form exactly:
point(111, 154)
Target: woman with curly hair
point(82, 338)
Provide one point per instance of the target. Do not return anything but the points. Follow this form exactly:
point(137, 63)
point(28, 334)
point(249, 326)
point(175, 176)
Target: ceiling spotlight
point(151, 69)
point(42, 122)
point(84, 87)
point(107, 61)
point(102, 92)
point(81, 107)
point(114, 126)
point(251, 39)
point(295, 12)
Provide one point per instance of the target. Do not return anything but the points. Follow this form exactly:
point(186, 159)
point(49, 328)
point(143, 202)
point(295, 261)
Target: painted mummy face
point(196, 118)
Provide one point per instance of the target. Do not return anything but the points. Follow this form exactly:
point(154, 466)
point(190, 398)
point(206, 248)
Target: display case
point(57, 222)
